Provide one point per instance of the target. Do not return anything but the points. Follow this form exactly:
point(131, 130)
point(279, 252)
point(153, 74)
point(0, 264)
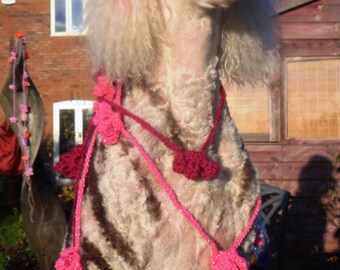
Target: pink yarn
point(192, 163)
point(22, 122)
point(69, 259)
point(108, 122)
point(227, 260)
point(220, 260)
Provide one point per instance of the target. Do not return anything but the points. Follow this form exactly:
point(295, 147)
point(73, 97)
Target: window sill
point(80, 34)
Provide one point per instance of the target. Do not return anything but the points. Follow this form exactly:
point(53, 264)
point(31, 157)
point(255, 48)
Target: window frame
point(273, 135)
point(78, 106)
point(68, 20)
point(285, 137)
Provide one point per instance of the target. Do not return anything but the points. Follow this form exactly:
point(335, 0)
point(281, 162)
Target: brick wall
point(58, 66)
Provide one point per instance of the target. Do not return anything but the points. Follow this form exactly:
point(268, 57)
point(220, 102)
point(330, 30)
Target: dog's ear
point(248, 50)
point(124, 36)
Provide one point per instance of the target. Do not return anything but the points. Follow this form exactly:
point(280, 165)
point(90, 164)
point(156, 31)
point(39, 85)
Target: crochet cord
point(244, 233)
point(171, 194)
point(217, 120)
point(81, 187)
point(90, 130)
point(27, 149)
point(160, 136)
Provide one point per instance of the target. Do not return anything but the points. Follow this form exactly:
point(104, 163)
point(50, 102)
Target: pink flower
point(23, 141)
point(29, 172)
point(12, 87)
point(24, 108)
point(13, 119)
point(12, 57)
point(25, 83)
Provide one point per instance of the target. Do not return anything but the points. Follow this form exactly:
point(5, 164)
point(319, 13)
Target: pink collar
point(193, 164)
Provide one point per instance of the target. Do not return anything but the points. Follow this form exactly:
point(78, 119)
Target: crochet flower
point(29, 172)
point(13, 119)
point(27, 134)
point(19, 34)
point(104, 89)
point(23, 141)
point(11, 57)
point(195, 165)
point(25, 108)
point(108, 122)
point(71, 163)
point(69, 259)
point(228, 260)
point(25, 83)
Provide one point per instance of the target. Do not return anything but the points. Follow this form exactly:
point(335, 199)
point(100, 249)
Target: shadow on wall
point(314, 217)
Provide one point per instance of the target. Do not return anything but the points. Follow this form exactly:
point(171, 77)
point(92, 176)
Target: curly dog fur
point(170, 55)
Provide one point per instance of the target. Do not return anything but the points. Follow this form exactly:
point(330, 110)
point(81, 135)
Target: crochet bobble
point(69, 259)
point(227, 260)
point(194, 165)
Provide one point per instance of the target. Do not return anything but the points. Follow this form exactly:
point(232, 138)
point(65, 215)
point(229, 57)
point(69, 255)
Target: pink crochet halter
point(193, 164)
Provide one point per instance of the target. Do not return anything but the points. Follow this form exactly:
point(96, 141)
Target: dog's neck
point(187, 76)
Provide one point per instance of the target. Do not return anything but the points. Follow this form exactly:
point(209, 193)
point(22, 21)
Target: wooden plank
point(308, 47)
point(292, 171)
point(309, 153)
point(265, 156)
point(310, 30)
point(301, 188)
point(322, 153)
point(268, 147)
point(315, 12)
point(285, 5)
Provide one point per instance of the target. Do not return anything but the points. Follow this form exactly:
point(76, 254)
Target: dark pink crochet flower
point(195, 165)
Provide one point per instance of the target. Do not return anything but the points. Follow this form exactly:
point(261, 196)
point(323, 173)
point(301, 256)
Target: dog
point(167, 182)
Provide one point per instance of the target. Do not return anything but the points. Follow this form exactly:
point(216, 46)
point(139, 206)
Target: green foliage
point(13, 244)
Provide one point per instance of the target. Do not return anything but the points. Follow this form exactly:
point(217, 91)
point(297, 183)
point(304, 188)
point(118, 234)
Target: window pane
point(250, 108)
point(77, 15)
point(67, 132)
point(313, 87)
point(87, 115)
point(60, 16)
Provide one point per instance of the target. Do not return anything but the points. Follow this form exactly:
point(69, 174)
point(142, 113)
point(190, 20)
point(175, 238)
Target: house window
point(313, 97)
point(70, 121)
point(66, 17)
point(252, 109)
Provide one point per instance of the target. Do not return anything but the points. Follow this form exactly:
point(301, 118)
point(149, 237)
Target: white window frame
point(78, 106)
point(68, 22)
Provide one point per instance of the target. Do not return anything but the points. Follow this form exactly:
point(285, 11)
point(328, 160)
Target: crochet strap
point(192, 164)
point(118, 108)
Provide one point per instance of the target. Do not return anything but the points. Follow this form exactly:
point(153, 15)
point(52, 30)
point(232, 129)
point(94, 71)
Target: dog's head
point(126, 37)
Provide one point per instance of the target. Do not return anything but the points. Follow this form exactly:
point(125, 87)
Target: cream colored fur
point(170, 54)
